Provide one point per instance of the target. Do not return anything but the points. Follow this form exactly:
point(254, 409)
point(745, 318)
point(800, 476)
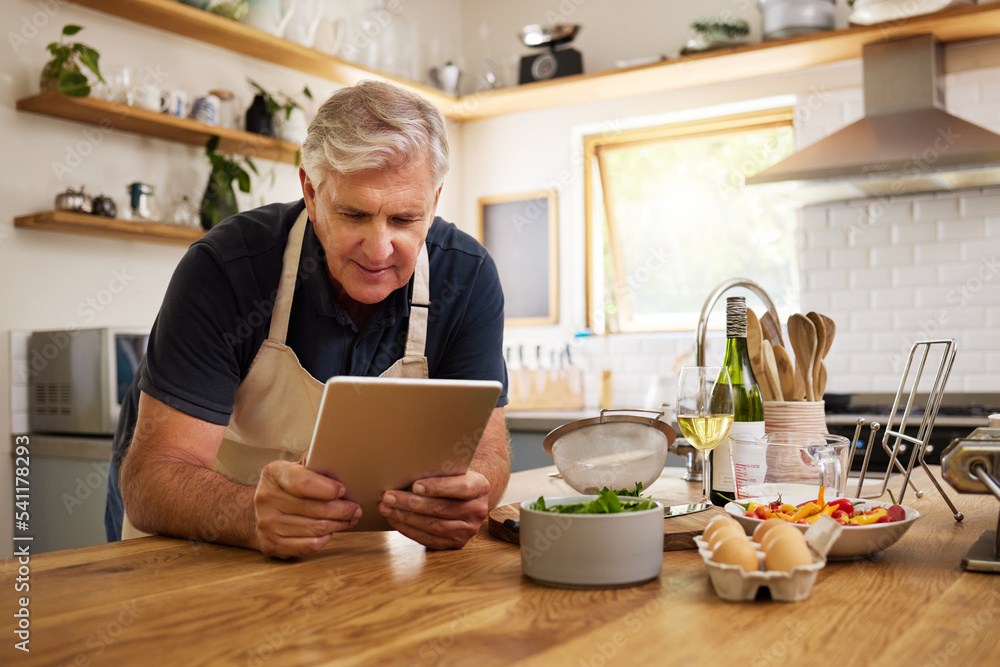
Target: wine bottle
point(747, 404)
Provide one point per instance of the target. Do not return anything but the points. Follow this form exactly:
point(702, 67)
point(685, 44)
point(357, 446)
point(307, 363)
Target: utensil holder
point(801, 416)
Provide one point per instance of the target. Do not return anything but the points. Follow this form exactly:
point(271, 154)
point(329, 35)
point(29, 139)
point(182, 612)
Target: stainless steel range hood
point(905, 144)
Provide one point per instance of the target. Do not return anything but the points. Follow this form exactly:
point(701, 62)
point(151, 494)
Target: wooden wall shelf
point(95, 225)
point(204, 26)
point(761, 59)
point(111, 116)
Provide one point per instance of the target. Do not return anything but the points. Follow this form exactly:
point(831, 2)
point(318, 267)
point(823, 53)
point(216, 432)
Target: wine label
point(722, 456)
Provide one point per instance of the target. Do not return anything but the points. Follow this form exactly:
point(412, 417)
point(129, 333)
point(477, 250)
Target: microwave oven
point(78, 378)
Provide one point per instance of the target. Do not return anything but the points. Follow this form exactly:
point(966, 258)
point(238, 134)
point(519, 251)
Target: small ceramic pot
point(590, 550)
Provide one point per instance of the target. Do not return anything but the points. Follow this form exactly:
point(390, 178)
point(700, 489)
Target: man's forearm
point(180, 499)
point(492, 458)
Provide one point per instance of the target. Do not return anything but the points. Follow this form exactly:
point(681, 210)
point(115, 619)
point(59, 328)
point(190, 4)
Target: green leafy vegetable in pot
point(605, 503)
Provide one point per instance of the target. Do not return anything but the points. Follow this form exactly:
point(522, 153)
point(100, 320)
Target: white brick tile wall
point(960, 319)
point(887, 299)
point(851, 258)
point(992, 226)
point(870, 321)
point(989, 92)
point(891, 255)
point(876, 235)
point(827, 238)
point(949, 274)
point(813, 217)
point(934, 296)
point(993, 362)
point(984, 204)
point(814, 259)
point(962, 96)
point(979, 339)
point(890, 210)
point(911, 275)
point(969, 361)
point(934, 209)
point(849, 300)
point(948, 230)
point(977, 383)
point(914, 232)
point(818, 301)
point(937, 252)
point(846, 215)
point(826, 280)
point(879, 277)
point(993, 316)
point(982, 250)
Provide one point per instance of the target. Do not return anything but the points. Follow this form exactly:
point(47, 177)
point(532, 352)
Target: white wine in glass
point(705, 411)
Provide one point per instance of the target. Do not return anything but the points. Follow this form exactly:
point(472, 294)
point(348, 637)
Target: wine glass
point(705, 411)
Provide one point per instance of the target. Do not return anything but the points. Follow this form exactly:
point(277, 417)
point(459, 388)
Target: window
point(668, 219)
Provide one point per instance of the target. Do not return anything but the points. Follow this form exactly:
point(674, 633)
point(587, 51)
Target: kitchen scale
point(553, 63)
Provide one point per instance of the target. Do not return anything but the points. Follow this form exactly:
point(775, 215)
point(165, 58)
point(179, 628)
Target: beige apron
point(278, 401)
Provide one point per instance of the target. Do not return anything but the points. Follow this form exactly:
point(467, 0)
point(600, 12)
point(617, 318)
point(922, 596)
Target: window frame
point(594, 144)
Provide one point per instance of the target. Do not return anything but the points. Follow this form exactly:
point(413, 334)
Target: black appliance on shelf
point(553, 63)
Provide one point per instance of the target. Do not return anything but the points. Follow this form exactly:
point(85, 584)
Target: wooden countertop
point(378, 598)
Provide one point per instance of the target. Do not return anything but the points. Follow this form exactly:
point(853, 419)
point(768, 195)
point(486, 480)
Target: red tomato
point(884, 519)
point(843, 504)
point(750, 515)
point(896, 513)
point(763, 512)
point(840, 515)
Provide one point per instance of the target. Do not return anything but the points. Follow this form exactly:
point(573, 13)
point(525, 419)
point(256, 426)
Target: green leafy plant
point(219, 201)
point(722, 26)
point(280, 101)
point(63, 72)
point(606, 502)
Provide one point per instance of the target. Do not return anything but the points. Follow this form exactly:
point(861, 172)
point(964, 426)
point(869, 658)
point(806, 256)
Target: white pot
point(294, 129)
point(590, 550)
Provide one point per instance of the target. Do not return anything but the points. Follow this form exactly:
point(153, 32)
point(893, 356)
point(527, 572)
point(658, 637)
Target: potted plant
point(219, 200)
point(63, 73)
point(283, 114)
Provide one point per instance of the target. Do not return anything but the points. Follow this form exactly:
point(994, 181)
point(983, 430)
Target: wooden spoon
point(802, 335)
point(754, 351)
point(772, 329)
point(820, 325)
point(831, 331)
point(771, 371)
point(819, 382)
point(786, 373)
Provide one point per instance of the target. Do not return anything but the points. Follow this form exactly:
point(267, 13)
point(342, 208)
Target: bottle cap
point(736, 317)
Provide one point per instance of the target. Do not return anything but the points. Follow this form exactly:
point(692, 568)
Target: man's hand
point(298, 510)
point(441, 512)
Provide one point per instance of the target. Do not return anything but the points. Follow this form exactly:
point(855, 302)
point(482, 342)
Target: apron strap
point(286, 286)
point(416, 335)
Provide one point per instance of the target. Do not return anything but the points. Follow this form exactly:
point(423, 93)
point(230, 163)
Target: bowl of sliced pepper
point(870, 526)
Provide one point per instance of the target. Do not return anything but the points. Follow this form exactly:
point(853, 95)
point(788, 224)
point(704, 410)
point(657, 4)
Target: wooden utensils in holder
point(810, 337)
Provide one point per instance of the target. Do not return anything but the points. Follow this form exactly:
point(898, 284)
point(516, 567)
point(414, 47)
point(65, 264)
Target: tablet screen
point(377, 434)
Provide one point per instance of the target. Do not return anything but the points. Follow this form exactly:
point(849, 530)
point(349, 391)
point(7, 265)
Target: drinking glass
point(705, 412)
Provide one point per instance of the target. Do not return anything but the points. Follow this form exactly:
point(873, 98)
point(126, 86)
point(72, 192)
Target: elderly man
point(274, 301)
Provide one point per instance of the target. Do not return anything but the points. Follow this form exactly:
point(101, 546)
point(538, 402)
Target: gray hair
point(374, 125)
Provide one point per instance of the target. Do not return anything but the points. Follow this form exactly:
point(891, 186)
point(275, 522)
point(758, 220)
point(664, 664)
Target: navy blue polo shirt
point(217, 312)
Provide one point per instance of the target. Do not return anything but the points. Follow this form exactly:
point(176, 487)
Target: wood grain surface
point(678, 531)
point(381, 599)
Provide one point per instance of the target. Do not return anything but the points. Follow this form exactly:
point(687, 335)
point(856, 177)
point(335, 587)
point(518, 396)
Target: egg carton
point(734, 584)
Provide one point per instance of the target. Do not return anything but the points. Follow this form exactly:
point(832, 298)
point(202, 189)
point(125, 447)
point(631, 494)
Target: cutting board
point(678, 532)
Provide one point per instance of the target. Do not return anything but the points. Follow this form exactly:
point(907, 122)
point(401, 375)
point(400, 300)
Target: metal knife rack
point(909, 385)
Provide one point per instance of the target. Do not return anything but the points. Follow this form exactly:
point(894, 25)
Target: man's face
point(372, 225)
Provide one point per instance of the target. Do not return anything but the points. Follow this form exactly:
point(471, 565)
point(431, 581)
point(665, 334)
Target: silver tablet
point(377, 434)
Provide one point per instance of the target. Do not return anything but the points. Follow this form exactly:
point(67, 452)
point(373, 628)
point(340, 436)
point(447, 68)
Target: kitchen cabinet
point(736, 64)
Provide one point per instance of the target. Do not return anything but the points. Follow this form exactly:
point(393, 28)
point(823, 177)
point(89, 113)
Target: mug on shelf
point(206, 109)
point(175, 103)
